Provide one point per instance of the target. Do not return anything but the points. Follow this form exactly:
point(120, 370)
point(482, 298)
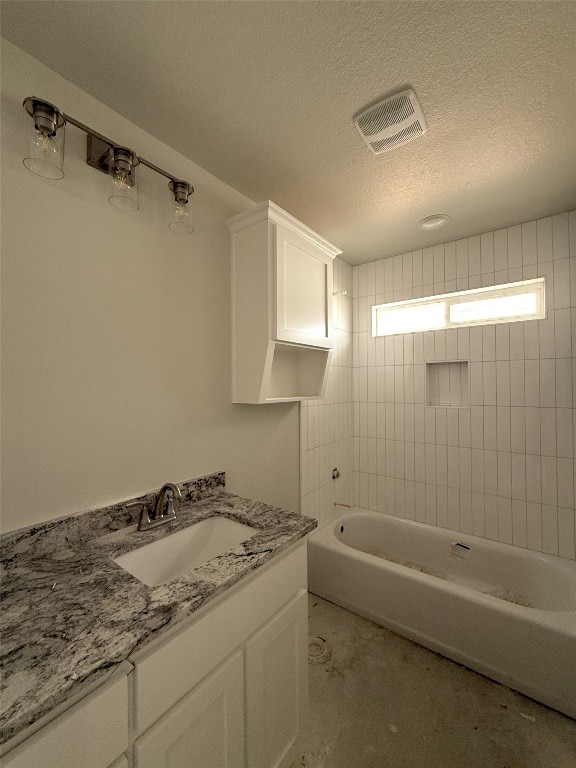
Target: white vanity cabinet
point(205, 728)
point(281, 307)
point(229, 689)
point(90, 734)
point(277, 686)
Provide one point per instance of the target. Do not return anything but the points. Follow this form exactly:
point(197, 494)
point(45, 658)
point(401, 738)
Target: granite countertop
point(71, 615)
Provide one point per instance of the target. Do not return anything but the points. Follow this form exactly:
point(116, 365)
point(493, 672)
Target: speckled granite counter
point(70, 614)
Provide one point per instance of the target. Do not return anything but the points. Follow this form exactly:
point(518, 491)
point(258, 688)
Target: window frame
point(475, 294)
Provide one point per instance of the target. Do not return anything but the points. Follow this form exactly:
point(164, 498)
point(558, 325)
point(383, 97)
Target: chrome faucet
point(159, 516)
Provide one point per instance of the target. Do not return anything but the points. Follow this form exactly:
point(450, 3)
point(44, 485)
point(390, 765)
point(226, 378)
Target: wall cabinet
point(281, 307)
point(303, 290)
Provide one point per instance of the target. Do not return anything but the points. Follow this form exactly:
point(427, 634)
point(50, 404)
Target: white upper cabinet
point(303, 274)
point(281, 307)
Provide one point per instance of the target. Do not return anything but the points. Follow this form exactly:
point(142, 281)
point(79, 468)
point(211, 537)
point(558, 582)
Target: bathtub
point(505, 612)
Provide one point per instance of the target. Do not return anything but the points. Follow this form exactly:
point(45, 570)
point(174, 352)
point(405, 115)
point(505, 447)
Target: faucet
point(159, 517)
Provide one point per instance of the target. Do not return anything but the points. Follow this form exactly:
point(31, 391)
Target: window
point(480, 306)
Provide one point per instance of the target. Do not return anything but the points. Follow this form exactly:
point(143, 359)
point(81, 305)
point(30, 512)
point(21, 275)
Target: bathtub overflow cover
point(319, 652)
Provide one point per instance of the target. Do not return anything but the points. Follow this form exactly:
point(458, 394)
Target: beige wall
point(115, 332)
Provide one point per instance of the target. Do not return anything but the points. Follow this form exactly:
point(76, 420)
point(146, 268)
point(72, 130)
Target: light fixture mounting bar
point(98, 152)
point(99, 146)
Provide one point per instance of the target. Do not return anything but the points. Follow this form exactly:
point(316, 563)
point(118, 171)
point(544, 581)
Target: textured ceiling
point(262, 94)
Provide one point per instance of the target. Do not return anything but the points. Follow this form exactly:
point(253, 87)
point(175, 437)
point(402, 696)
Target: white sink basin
point(176, 554)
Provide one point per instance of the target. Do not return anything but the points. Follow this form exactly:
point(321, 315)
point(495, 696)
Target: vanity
point(211, 663)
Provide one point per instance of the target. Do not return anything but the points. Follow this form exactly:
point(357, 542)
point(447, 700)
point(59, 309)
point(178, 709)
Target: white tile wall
point(503, 468)
point(326, 426)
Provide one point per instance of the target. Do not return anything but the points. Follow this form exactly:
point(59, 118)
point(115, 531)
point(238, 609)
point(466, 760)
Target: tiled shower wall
point(326, 426)
point(504, 467)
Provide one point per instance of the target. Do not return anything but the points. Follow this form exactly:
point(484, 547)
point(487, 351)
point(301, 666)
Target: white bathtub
point(530, 647)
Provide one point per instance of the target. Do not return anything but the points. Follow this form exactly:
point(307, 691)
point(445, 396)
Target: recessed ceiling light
point(435, 221)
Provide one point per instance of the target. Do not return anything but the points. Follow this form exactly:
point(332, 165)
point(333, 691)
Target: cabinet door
point(91, 734)
point(277, 686)
point(205, 729)
point(303, 290)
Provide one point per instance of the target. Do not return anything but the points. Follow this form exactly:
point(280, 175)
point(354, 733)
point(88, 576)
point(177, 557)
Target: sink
point(176, 554)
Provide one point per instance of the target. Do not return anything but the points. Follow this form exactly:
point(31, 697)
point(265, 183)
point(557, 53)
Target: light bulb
point(46, 146)
point(121, 180)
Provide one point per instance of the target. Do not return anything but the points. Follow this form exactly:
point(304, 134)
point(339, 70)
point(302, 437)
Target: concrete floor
point(382, 701)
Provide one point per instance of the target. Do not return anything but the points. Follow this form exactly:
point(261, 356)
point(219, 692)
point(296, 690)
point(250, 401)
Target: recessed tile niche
point(447, 384)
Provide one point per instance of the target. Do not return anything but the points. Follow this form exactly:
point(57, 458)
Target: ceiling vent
point(392, 122)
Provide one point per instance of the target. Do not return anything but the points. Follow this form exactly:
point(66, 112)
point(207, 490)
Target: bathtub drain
point(319, 651)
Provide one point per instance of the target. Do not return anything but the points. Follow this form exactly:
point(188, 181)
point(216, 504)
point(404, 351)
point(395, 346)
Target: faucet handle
point(144, 523)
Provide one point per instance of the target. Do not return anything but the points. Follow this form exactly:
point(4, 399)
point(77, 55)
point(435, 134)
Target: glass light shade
point(180, 217)
point(180, 221)
point(45, 153)
point(124, 193)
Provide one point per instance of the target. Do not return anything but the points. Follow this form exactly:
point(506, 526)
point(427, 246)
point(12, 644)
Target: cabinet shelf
point(295, 369)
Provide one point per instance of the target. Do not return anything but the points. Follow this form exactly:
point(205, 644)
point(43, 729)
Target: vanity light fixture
point(45, 157)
